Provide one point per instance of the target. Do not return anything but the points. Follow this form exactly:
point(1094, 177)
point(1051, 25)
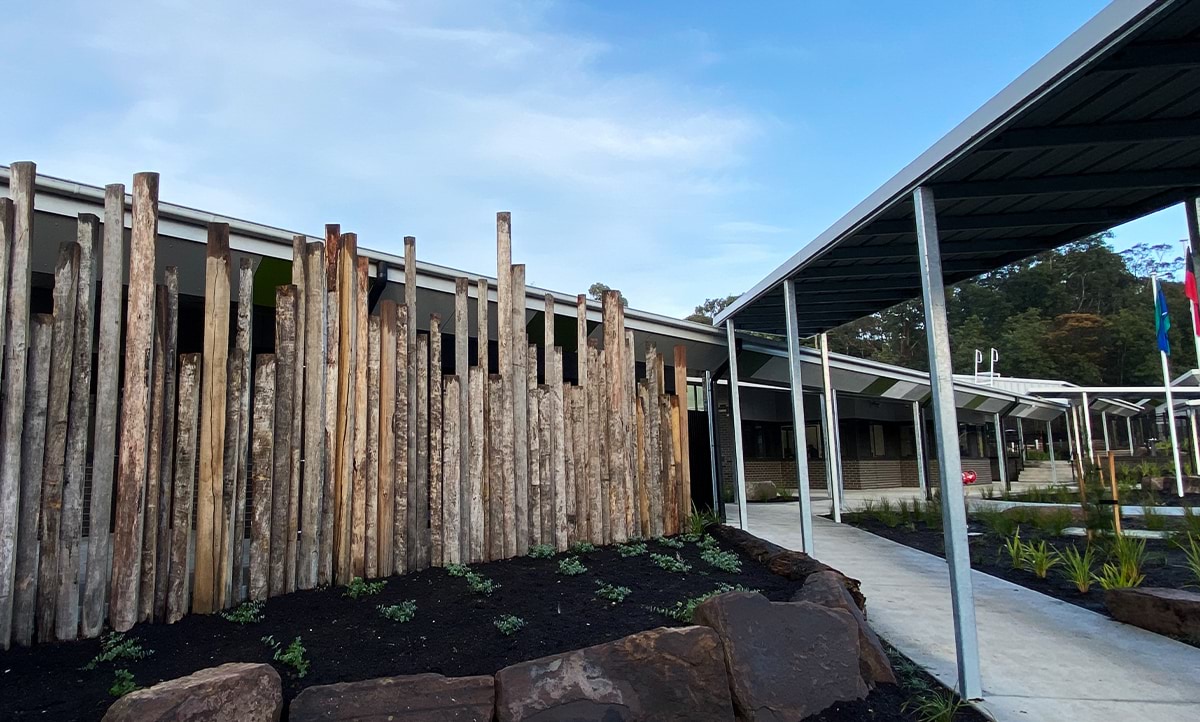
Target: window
point(878, 447)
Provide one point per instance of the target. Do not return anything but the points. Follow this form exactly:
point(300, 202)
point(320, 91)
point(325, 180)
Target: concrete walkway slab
point(1042, 659)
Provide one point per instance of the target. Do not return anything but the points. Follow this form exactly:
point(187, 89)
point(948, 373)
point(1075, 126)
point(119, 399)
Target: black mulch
point(452, 634)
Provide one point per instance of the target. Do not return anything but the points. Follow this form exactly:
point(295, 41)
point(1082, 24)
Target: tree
point(705, 312)
point(597, 289)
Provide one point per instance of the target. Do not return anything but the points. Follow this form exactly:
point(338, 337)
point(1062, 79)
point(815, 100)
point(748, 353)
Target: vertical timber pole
point(1001, 455)
point(793, 342)
point(739, 454)
point(919, 438)
point(945, 420)
point(1050, 448)
point(833, 445)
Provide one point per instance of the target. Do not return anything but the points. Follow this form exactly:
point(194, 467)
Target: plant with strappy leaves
point(698, 520)
point(1115, 576)
point(1077, 568)
point(934, 707)
point(1015, 549)
point(1040, 558)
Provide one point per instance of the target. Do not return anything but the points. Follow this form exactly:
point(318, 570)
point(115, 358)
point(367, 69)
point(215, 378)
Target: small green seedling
point(725, 561)
point(509, 624)
point(671, 563)
point(571, 566)
point(541, 551)
point(123, 683)
point(458, 570)
point(631, 550)
point(614, 594)
point(481, 584)
point(706, 542)
point(670, 542)
point(244, 613)
point(683, 611)
point(402, 612)
point(358, 587)
point(582, 547)
point(293, 656)
point(115, 646)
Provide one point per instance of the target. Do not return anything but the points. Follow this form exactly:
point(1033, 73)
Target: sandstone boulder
point(760, 550)
point(799, 566)
point(412, 698)
point(761, 491)
point(1167, 611)
point(662, 675)
point(786, 660)
point(829, 590)
point(236, 691)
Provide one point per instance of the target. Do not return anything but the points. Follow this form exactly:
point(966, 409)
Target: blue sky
point(674, 150)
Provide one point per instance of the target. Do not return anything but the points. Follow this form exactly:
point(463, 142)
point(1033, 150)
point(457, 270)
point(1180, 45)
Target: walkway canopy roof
point(1102, 130)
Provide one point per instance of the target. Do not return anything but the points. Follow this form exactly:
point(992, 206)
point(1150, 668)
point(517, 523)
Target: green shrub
point(1077, 568)
point(292, 656)
point(358, 588)
point(1040, 559)
point(508, 624)
point(934, 707)
point(123, 683)
point(631, 550)
point(244, 613)
point(1115, 576)
point(614, 594)
point(683, 611)
point(458, 570)
point(116, 646)
point(669, 542)
point(582, 547)
point(1015, 548)
point(671, 563)
point(1054, 521)
point(725, 561)
point(571, 566)
point(541, 551)
point(402, 612)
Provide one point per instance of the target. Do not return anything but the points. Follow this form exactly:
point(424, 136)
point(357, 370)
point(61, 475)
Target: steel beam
point(959, 248)
point(801, 446)
point(1058, 136)
point(739, 453)
point(945, 419)
point(833, 445)
point(1139, 56)
point(993, 221)
point(1082, 183)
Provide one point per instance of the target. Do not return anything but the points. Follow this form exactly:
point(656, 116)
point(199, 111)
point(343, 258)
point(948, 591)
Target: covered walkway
point(1042, 659)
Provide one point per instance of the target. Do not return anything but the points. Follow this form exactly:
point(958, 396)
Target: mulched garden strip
point(452, 633)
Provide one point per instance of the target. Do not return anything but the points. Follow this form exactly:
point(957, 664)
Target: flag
point(1162, 322)
point(1189, 290)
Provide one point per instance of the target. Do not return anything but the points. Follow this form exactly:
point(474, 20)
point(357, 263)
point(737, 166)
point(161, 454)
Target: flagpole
point(1170, 398)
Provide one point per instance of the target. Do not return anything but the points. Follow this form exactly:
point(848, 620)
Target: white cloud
point(407, 118)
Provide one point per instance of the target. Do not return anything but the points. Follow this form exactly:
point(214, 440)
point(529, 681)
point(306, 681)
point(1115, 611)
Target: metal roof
point(1102, 130)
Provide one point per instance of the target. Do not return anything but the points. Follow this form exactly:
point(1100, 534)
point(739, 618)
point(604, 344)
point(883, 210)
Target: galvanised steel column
point(1050, 444)
point(739, 454)
point(827, 445)
point(1129, 432)
point(1104, 422)
point(919, 437)
point(711, 410)
point(1001, 452)
point(1021, 437)
point(1087, 425)
point(945, 420)
point(833, 440)
point(797, 384)
point(1195, 441)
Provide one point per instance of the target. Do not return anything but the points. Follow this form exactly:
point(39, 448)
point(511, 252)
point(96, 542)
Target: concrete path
point(1043, 659)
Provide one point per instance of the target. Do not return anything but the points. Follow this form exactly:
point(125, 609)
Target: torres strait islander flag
point(1189, 290)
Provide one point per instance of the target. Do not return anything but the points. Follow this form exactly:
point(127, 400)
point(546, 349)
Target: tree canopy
point(1081, 313)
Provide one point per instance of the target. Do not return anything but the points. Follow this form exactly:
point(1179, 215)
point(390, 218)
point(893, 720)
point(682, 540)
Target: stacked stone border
point(745, 658)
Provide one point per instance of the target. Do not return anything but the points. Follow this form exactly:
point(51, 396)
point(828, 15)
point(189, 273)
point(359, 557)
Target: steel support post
point(1050, 444)
point(710, 409)
point(1086, 411)
point(919, 439)
point(1001, 452)
point(1129, 433)
point(797, 384)
point(833, 441)
point(1021, 437)
point(1104, 422)
point(1195, 441)
point(945, 420)
point(739, 453)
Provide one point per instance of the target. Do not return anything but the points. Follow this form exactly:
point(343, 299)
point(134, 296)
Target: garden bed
point(452, 632)
point(1165, 562)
